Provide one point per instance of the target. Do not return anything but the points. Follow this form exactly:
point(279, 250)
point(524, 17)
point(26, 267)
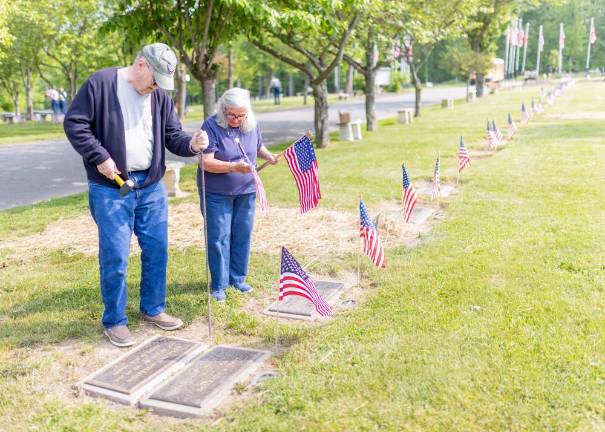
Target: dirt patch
point(594, 115)
point(327, 233)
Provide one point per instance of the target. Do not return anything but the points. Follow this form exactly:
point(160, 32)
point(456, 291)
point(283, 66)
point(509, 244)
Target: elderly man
point(120, 122)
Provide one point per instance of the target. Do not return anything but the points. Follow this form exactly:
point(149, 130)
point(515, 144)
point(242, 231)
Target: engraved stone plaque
point(421, 215)
point(301, 308)
point(426, 188)
point(205, 382)
point(129, 376)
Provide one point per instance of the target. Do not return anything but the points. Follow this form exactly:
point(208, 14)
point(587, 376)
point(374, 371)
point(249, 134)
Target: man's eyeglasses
point(233, 116)
point(155, 84)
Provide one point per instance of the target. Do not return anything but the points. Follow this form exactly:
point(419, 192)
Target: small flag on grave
point(294, 281)
point(437, 179)
point(303, 165)
point(532, 108)
point(497, 132)
point(524, 115)
point(372, 246)
point(512, 127)
point(492, 139)
point(408, 195)
point(464, 159)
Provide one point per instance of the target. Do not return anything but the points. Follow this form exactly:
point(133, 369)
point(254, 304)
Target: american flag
point(488, 131)
point(532, 107)
point(541, 41)
point(492, 137)
point(372, 246)
point(497, 132)
point(550, 98)
point(464, 159)
point(294, 281)
point(512, 127)
point(524, 115)
point(593, 32)
point(303, 164)
point(408, 196)
point(258, 183)
point(539, 106)
point(437, 179)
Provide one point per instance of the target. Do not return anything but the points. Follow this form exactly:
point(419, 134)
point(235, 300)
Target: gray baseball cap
point(163, 62)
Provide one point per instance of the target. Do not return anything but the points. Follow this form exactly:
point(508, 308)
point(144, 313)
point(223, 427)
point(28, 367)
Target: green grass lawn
point(496, 323)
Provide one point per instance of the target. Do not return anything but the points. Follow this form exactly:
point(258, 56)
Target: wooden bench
point(447, 103)
point(11, 118)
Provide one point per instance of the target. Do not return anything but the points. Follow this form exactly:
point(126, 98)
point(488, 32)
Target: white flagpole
point(540, 37)
point(525, 43)
point(520, 25)
point(278, 296)
point(506, 50)
point(560, 49)
point(589, 44)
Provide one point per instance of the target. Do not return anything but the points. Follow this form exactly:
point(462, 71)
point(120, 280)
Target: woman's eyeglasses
point(233, 116)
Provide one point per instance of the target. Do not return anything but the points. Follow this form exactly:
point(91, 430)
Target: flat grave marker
point(205, 382)
point(130, 376)
point(299, 308)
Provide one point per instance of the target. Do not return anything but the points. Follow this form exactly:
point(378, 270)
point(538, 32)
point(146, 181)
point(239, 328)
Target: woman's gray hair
point(235, 98)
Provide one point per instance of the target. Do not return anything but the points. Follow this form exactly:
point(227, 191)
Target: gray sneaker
point(119, 336)
point(163, 321)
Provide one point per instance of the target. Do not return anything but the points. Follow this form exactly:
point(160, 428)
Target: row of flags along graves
point(301, 160)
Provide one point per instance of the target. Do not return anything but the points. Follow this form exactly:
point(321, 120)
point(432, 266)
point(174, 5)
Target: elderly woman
point(230, 189)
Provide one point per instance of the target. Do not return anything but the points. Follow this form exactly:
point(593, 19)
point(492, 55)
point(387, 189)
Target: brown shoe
point(119, 336)
point(163, 321)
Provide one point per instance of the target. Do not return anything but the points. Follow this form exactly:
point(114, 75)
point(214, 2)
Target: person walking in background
point(120, 122)
point(235, 140)
point(62, 100)
point(53, 96)
point(276, 89)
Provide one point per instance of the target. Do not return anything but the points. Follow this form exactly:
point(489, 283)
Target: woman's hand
point(241, 167)
point(272, 159)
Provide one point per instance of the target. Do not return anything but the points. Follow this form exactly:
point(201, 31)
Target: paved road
point(34, 172)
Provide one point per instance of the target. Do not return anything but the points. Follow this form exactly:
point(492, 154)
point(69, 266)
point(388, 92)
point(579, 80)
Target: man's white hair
point(235, 98)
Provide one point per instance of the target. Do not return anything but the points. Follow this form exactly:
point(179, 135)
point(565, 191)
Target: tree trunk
point(320, 94)
point(370, 91)
point(290, 85)
point(16, 102)
point(305, 90)
point(417, 88)
point(27, 84)
point(209, 90)
point(479, 84)
point(230, 69)
point(268, 86)
point(349, 84)
point(181, 91)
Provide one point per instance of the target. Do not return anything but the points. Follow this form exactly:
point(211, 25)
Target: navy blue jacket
point(95, 128)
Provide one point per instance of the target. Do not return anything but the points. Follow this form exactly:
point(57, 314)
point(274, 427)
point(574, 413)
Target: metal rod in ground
point(203, 197)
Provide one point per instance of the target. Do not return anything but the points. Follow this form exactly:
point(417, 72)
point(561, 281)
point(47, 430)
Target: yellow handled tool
point(125, 186)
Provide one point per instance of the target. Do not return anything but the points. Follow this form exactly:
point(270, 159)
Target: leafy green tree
point(195, 29)
point(303, 35)
point(424, 24)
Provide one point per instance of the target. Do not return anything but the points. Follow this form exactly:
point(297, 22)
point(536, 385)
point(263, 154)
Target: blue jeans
point(144, 212)
point(230, 221)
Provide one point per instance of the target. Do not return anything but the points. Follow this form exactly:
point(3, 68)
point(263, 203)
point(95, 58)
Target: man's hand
point(108, 169)
point(199, 141)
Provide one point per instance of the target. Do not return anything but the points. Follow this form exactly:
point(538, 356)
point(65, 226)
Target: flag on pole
point(539, 106)
point(437, 179)
point(294, 281)
point(372, 245)
point(541, 41)
point(512, 127)
point(464, 159)
point(258, 183)
point(303, 165)
point(593, 32)
point(524, 115)
point(532, 107)
point(488, 131)
point(492, 138)
point(408, 195)
point(497, 132)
